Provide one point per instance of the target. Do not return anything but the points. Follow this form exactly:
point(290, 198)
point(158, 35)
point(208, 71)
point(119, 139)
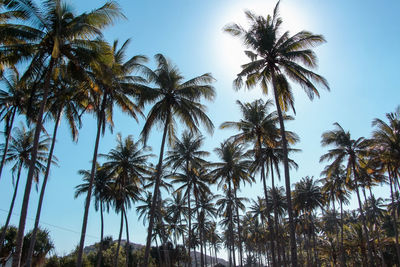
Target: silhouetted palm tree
point(52, 34)
point(173, 98)
point(19, 153)
point(351, 151)
point(275, 57)
point(101, 194)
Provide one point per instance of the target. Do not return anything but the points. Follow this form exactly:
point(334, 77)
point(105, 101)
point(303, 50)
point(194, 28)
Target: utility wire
point(53, 225)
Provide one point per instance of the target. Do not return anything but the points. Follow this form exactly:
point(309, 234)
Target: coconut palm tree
point(173, 99)
point(176, 207)
point(126, 165)
point(68, 97)
point(12, 102)
point(259, 126)
point(276, 58)
point(231, 172)
point(307, 197)
point(19, 153)
point(101, 194)
point(52, 34)
point(334, 189)
point(113, 85)
point(386, 148)
point(352, 151)
point(226, 205)
point(187, 157)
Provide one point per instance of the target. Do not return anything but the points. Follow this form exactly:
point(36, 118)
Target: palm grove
point(56, 65)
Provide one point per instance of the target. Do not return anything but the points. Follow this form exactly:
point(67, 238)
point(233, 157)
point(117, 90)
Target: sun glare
point(230, 50)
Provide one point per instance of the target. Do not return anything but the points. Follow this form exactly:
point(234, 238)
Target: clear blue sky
point(360, 61)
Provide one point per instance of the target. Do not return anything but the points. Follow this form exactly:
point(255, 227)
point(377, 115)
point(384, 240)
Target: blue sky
point(359, 60)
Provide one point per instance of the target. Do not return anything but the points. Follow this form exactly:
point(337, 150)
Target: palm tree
point(174, 99)
point(352, 151)
point(175, 209)
point(112, 77)
point(204, 207)
point(59, 34)
point(12, 102)
point(259, 127)
point(334, 189)
point(127, 165)
point(274, 58)
point(101, 194)
point(187, 156)
point(307, 196)
point(386, 147)
point(68, 98)
point(19, 152)
point(231, 171)
point(225, 209)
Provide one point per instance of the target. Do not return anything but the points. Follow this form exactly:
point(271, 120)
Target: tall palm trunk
point(190, 223)
point(231, 226)
point(195, 255)
point(128, 244)
point(275, 213)
point(316, 254)
point(336, 229)
point(24, 210)
point(119, 239)
point(270, 225)
point(156, 189)
point(163, 237)
point(42, 190)
point(364, 223)
point(205, 248)
point(239, 229)
point(394, 218)
point(3, 233)
point(378, 235)
point(292, 232)
point(92, 174)
point(100, 253)
point(199, 222)
point(343, 256)
point(8, 135)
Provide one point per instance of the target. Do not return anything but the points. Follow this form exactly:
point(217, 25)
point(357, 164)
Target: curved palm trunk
point(100, 253)
point(394, 217)
point(9, 128)
point(42, 190)
point(3, 233)
point(24, 210)
point(292, 232)
point(239, 230)
point(119, 239)
point(92, 174)
point(156, 189)
point(370, 258)
point(128, 244)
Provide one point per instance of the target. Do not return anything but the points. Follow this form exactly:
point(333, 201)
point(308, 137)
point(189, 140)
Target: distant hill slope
point(135, 246)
